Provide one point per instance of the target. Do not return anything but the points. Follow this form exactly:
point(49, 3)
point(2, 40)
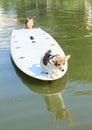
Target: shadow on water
point(51, 92)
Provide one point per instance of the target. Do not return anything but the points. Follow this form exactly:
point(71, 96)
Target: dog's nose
point(62, 69)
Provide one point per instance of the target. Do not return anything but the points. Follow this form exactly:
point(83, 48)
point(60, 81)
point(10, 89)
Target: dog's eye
point(58, 64)
point(64, 63)
point(53, 61)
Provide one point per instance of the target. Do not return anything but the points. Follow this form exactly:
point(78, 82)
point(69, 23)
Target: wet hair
point(29, 18)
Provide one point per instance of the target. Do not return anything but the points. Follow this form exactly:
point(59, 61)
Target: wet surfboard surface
point(27, 48)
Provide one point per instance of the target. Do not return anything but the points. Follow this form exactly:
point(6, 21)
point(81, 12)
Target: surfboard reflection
point(52, 95)
point(55, 104)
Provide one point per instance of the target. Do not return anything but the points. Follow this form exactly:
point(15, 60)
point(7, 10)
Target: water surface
point(27, 103)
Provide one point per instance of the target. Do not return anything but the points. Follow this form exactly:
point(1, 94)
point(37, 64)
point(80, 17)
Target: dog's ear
point(52, 61)
point(67, 57)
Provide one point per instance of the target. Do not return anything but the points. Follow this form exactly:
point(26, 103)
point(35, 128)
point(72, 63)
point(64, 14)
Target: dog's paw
point(44, 72)
point(51, 76)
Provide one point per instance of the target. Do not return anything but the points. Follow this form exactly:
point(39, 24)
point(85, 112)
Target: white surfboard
point(27, 48)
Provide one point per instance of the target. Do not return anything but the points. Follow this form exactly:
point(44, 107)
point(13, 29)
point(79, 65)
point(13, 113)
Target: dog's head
point(59, 61)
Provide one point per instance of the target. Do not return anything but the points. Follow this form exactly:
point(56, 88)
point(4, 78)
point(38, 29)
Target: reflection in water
point(52, 3)
point(88, 9)
point(52, 95)
point(55, 103)
point(87, 92)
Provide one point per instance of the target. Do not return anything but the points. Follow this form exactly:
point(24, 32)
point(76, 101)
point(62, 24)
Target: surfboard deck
point(27, 48)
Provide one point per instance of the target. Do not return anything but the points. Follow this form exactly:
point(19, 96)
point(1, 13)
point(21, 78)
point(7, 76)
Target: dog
point(54, 64)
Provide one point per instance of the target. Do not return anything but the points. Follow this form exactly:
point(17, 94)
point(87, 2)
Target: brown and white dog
point(54, 64)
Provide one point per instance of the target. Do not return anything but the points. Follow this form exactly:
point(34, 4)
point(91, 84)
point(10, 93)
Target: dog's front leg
point(43, 71)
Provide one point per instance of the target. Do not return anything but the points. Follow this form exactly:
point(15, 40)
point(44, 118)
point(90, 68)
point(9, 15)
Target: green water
point(27, 103)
